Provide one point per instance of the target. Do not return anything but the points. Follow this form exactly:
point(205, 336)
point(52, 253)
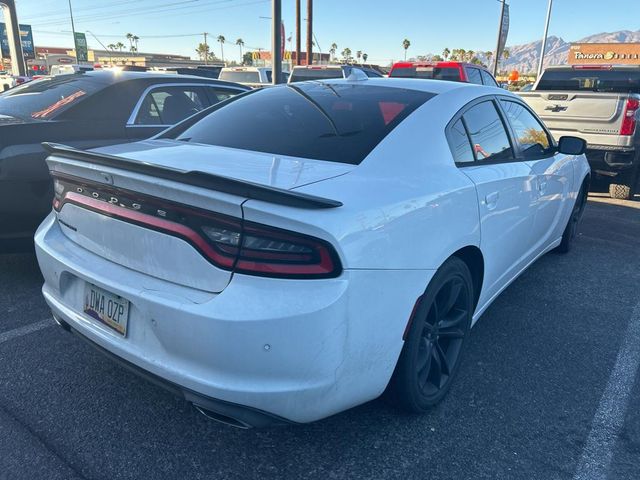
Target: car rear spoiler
point(219, 183)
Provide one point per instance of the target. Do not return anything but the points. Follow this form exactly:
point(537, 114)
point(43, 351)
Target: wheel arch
point(473, 258)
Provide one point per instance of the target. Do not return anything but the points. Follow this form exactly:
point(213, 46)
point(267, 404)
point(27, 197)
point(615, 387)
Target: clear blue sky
point(373, 26)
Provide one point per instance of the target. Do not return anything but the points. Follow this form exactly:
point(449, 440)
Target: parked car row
point(260, 256)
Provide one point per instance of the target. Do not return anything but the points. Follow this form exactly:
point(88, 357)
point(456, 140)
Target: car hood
point(262, 168)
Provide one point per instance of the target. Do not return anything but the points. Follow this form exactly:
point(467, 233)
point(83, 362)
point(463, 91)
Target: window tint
point(218, 95)
point(530, 134)
point(620, 81)
point(474, 76)
point(303, 74)
point(487, 79)
point(169, 105)
point(488, 136)
point(460, 144)
point(335, 122)
point(240, 76)
point(447, 73)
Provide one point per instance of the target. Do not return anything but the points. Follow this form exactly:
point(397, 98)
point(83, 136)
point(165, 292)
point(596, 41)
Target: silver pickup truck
point(600, 104)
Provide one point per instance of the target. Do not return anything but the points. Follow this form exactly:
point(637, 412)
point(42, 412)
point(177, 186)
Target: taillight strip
point(149, 221)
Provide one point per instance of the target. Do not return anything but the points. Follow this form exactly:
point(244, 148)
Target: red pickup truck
point(452, 71)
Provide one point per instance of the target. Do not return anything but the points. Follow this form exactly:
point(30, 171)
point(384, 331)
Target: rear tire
point(571, 230)
point(436, 340)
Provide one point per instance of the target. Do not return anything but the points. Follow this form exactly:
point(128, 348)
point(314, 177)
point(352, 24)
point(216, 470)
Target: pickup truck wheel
point(571, 230)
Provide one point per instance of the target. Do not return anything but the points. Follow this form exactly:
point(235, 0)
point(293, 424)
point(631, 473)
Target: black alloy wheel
point(436, 339)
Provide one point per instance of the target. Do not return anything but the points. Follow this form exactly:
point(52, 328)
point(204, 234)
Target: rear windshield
point(240, 77)
point(436, 73)
point(45, 99)
point(617, 81)
point(304, 74)
point(334, 122)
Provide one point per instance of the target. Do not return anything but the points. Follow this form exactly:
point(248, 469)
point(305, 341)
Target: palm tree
point(119, 46)
point(111, 46)
point(470, 55)
point(346, 54)
point(406, 44)
point(203, 51)
point(130, 38)
point(506, 54)
point(489, 55)
point(359, 55)
point(364, 57)
point(221, 40)
point(135, 39)
point(333, 50)
point(240, 44)
point(446, 52)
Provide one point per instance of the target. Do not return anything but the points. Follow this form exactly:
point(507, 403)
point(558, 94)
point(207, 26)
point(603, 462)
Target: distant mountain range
point(524, 58)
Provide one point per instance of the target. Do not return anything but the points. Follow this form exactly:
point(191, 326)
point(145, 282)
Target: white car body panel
point(304, 349)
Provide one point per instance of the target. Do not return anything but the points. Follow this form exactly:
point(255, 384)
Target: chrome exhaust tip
point(217, 417)
point(61, 323)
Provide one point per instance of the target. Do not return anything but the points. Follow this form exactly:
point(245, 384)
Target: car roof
point(111, 77)
point(420, 84)
point(441, 64)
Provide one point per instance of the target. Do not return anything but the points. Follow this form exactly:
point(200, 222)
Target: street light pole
point(102, 45)
point(73, 31)
point(309, 32)
point(298, 39)
point(276, 42)
point(544, 39)
point(206, 48)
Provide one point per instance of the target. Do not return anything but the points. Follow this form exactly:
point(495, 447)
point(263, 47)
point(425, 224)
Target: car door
point(553, 171)
point(483, 151)
point(161, 106)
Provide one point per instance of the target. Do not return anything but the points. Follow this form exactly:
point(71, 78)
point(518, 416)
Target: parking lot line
point(609, 418)
point(19, 332)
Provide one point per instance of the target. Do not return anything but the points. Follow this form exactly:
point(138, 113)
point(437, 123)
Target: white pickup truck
point(6, 81)
point(600, 104)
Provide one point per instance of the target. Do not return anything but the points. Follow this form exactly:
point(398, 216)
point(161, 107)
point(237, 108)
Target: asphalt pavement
point(549, 389)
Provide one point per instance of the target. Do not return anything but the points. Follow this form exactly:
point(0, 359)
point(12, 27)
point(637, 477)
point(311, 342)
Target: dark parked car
point(325, 72)
point(86, 110)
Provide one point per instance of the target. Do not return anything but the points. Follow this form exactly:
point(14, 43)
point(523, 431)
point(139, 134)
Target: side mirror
point(572, 145)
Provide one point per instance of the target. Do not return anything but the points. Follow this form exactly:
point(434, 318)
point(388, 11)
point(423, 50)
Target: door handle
point(542, 187)
point(491, 200)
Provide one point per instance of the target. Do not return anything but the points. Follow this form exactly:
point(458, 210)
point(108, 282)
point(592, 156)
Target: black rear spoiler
point(209, 181)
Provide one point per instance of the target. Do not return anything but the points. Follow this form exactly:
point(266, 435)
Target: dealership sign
point(26, 38)
point(604, 53)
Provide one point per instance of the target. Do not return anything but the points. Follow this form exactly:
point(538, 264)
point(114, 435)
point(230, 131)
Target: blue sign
point(26, 38)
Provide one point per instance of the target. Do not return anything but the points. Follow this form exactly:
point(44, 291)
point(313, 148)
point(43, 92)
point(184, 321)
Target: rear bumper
point(609, 162)
point(290, 350)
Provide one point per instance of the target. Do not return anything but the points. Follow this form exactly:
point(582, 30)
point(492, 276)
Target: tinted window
point(436, 73)
point(460, 144)
point(44, 99)
point(336, 122)
point(530, 134)
point(303, 74)
point(474, 76)
point(240, 76)
point(488, 136)
point(620, 81)
point(170, 105)
point(219, 94)
point(487, 79)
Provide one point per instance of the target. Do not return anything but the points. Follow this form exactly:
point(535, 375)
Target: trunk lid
point(154, 224)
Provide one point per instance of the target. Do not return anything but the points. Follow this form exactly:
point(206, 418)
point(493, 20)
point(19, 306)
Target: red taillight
point(227, 242)
point(629, 117)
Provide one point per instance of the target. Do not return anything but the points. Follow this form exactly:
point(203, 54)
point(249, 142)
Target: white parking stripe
point(609, 419)
point(19, 332)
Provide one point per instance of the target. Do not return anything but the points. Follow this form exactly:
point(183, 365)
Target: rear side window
point(460, 144)
point(474, 76)
point(530, 134)
point(170, 105)
point(240, 76)
point(487, 79)
point(489, 138)
point(334, 122)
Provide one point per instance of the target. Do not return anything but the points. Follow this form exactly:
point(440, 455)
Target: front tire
point(571, 230)
point(436, 340)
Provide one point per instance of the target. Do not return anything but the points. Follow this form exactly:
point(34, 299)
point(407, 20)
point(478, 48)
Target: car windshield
point(304, 74)
point(337, 122)
point(617, 81)
point(240, 76)
point(436, 73)
point(46, 98)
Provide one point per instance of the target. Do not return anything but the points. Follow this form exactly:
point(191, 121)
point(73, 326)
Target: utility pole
point(276, 42)
point(309, 32)
point(298, 36)
point(206, 48)
point(544, 39)
point(73, 31)
point(498, 52)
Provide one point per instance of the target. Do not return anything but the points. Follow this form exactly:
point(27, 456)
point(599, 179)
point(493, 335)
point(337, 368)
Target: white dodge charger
point(296, 251)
